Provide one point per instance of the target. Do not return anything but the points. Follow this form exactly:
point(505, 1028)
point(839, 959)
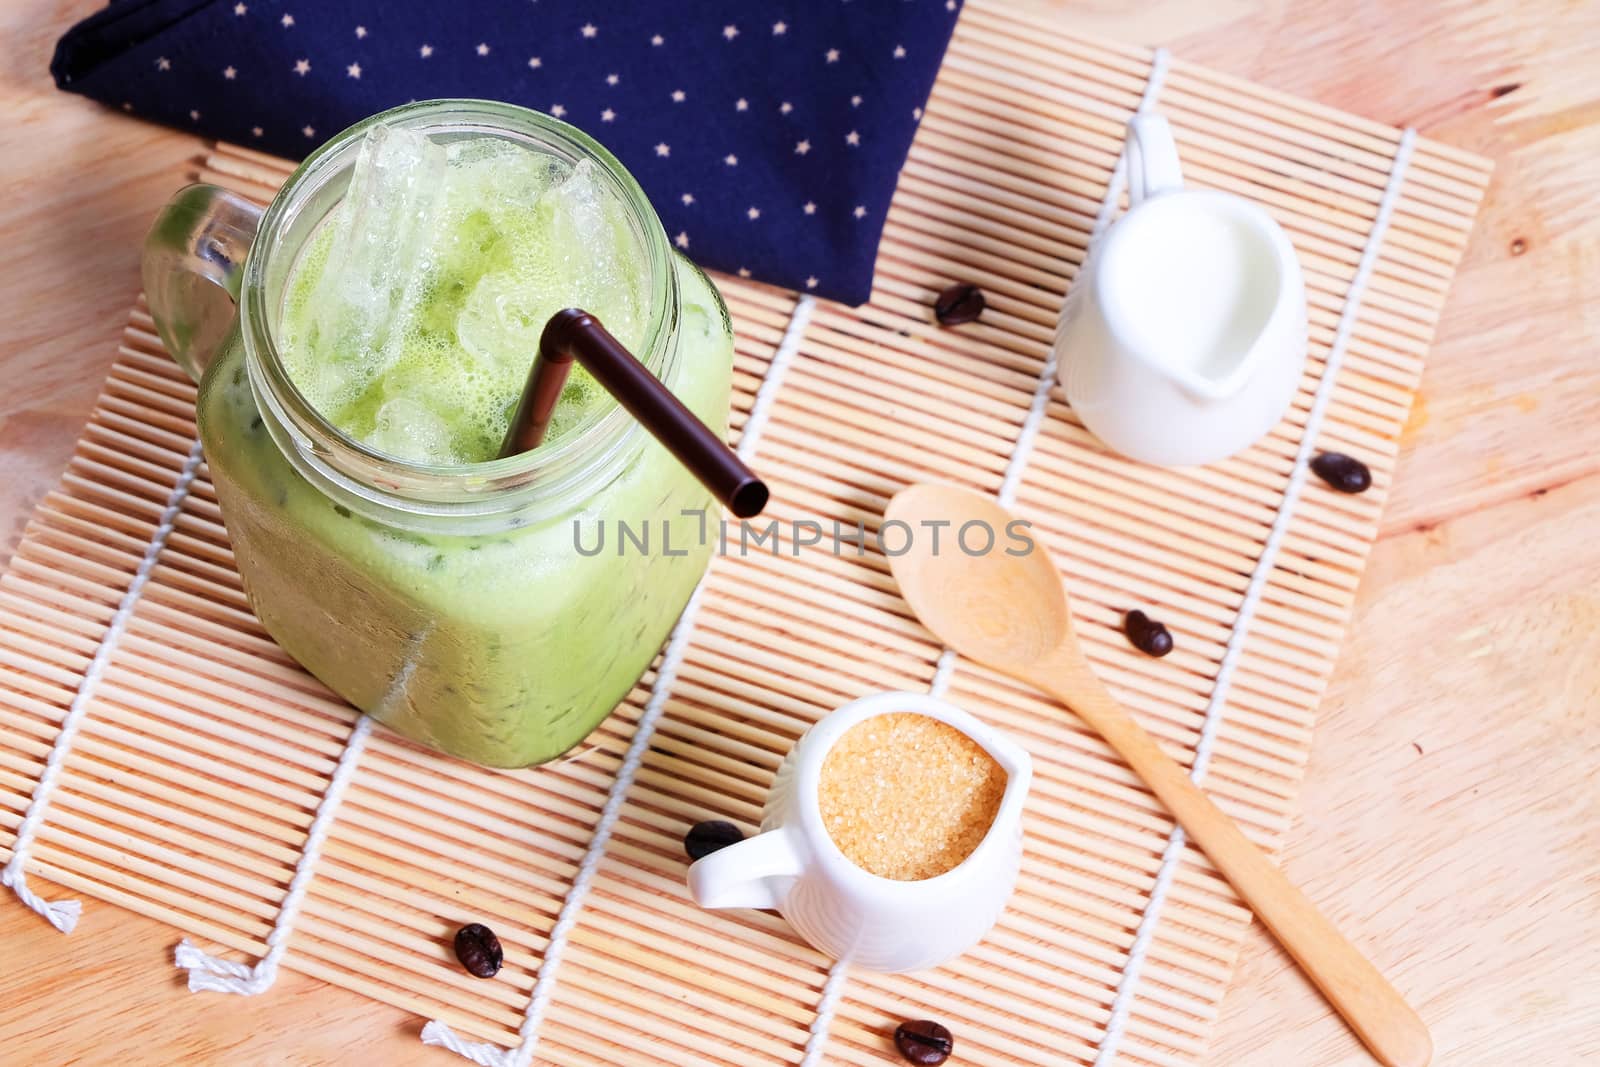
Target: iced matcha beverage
point(352, 438)
point(414, 313)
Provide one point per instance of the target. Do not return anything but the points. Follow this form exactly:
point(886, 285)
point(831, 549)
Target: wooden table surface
point(1451, 814)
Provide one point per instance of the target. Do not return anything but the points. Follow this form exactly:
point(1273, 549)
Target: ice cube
point(502, 319)
point(384, 226)
point(441, 267)
point(602, 266)
point(575, 249)
point(501, 175)
point(406, 428)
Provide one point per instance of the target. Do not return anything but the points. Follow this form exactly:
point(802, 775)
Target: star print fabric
point(769, 136)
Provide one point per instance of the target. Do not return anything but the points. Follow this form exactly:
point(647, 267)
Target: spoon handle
point(1388, 1026)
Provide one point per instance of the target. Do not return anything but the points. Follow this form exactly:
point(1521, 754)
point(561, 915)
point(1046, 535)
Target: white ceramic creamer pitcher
point(1185, 337)
point(846, 911)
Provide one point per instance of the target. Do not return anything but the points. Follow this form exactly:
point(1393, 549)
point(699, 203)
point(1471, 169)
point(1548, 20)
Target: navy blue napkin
point(768, 135)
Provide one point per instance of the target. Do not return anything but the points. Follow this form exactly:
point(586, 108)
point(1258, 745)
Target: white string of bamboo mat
point(63, 914)
point(1127, 988)
point(208, 973)
point(1016, 468)
point(487, 1054)
point(827, 1005)
point(213, 974)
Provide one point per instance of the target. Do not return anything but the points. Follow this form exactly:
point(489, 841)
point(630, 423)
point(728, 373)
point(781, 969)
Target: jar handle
point(193, 258)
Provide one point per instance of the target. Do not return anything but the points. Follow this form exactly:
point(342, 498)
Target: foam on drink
point(413, 316)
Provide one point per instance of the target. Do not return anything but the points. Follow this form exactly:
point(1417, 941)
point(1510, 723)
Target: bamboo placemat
point(200, 755)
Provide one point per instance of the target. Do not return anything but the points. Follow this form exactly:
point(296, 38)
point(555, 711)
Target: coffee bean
point(1147, 635)
point(710, 836)
point(1345, 473)
point(962, 302)
point(923, 1042)
point(479, 950)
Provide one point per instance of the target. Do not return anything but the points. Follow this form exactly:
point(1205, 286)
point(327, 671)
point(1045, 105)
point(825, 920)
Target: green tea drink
point(409, 322)
point(413, 316)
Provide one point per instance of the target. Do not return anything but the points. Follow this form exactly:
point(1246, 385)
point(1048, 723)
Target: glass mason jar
point(467, 607)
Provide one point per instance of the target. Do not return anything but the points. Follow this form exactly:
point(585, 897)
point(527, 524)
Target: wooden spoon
point(1010, 613)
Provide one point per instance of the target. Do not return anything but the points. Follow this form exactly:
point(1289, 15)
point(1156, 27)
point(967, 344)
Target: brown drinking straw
point(576, 334)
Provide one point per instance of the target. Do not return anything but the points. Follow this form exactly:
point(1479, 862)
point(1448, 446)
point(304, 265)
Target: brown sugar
point(908, 796)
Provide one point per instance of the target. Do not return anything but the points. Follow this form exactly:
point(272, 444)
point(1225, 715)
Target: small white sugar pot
point(877, 923)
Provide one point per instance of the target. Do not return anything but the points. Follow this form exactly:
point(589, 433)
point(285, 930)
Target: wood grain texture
point(81, 186)
point(110, 995)
point(1449, 807)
